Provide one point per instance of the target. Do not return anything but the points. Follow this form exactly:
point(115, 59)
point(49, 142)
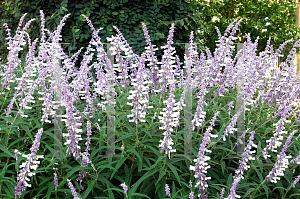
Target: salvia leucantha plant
point(149, 105)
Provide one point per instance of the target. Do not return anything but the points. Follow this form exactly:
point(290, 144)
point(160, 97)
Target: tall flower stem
point(137, 137)
point(4, 98)
point(10, 130)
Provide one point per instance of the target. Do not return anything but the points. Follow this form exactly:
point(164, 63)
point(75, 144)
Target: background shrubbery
point(201, 16)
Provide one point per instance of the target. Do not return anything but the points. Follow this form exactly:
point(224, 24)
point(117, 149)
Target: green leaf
point(175, 172)
point(69, 174)
point(7, 151)
point(145, 176)
point(185, 27)
point(28, 132)
point(135, 152)
point(259, 149)
point(161, 174)
point(223, 166)
point(139, 194)
point(104, 19)
point(120, 118)
point(295, 194)
point(89, 189)
point(128, 135)
point(181, 22)
point(229, 180)
point(118, 166)
point(2, 172)
point(17, 141)
point(115, 13)
point(259, 174)
point(121, 11)
point(259, 162)
point(280, 187)
point(266, 190)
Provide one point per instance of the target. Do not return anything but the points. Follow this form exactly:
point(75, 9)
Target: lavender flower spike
point(201, 166)
point(167, 189)
point(296, 181)
point(222, 193)
point(31, 163)
point(191, 196)
point(282, 162)
point(55, 181)
point(169, 119)
point(243, 166)
point(74, 193)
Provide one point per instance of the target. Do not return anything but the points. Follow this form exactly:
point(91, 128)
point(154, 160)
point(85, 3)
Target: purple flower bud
point(55, 181)
point(167, 189)
point(296, 181)
point(73, 190)
point(125, 187)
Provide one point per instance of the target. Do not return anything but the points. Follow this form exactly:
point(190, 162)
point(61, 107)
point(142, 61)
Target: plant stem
point(10, 130)
point(287, 191)
point(136, 131)
point(258, 188)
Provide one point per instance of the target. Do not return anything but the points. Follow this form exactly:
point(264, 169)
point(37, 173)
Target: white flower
point(214, 19)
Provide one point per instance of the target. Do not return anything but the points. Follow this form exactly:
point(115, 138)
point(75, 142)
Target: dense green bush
point(263, 18)
point(201, 16)
point(126, 15)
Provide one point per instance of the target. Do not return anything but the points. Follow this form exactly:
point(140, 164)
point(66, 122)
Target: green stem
point(258, 188)
point(137, 137)
point(4, 98)
point(165, 161)
point(10, 130)
point(287, 191)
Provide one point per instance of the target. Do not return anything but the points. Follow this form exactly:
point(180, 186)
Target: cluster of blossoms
point(73, 190)
point(296, 181)
point(281, 163)
point(55, 181)
point(168, 191)
point(243, 166)
point(139, 95)
point(117, 47)
point(169, 119)
point(150, 52)
point(31, 163)
point(274, 142)
point(167, 62)
point(14, 46)
point(85, 156)
point(199, 117)
point(201, 166)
